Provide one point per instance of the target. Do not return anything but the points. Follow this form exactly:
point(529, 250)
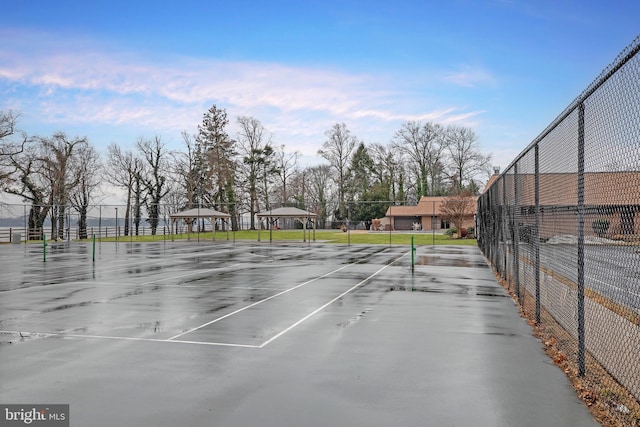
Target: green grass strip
point(324, 236)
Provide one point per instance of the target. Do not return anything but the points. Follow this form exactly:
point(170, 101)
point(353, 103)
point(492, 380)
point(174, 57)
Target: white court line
point(259, 302)
point(108, 337)
point(174, 340)
point(316, 311)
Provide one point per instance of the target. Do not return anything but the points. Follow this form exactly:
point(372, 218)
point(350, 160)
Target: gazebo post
point(314, 231)
point(193, 215)
point(294, 213)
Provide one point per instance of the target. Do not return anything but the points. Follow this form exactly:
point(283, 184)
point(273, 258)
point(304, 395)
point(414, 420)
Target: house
point(607, 195)
point(428, 214)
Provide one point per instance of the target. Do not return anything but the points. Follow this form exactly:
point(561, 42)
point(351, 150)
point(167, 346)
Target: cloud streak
point(88, 83)
point(471, 77)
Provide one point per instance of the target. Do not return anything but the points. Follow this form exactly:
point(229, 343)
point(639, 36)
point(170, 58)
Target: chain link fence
point(20, 223)
point(561, 226)
point(433, 215)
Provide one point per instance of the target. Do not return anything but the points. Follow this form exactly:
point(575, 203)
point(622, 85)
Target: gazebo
point(191, 215)
point(296, 213)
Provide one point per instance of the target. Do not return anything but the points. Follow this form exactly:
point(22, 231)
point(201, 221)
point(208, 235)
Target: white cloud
point(82, 82)
point(470, 77)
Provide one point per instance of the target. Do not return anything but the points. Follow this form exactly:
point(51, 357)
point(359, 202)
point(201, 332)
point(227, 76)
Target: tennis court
point(229, 334)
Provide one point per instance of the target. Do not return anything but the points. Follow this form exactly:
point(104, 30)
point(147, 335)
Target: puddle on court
point(446, 251)
point(502, 334)
point(363, 258)
point(356, 260)
point(218, 308)
point(447, 262)
point(68, 306)
point(401, 288)
point(354, 319)
point(66, 248)
point(145, 270)
point(19, 337)
point(150, 326)
point(482, 291)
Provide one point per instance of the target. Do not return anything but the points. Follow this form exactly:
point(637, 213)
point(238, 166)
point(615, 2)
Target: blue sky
point(119, 70)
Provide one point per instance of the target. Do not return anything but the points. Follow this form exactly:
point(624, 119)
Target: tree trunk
point(153, 218)
point(127, 213)
point(36, 222)
point(61, 210)
point(82, 223)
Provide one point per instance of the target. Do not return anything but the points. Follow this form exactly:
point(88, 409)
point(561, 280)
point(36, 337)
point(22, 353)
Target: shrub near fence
point(561, 226)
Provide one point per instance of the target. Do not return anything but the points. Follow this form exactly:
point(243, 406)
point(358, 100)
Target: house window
point(445, 224)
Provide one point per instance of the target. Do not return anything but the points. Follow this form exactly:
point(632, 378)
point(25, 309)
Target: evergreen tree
point(365, 192)
point(218, 160)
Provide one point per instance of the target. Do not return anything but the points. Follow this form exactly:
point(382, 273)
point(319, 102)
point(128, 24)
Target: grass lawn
point(325, 236)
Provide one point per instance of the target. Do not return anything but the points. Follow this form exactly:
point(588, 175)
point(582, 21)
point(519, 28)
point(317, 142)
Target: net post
point(537, 231)
point(580, 232)
point(413, 252)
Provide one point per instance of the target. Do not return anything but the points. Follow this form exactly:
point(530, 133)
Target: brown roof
point(600, 188)
point(427, 206)
point(199, 213)
point(287, 212)
point(489, 183)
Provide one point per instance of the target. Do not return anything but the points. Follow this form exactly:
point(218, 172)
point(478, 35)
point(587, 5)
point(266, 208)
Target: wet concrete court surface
point(224, 334)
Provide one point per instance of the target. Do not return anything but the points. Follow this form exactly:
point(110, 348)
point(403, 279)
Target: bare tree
point(174, 200)
point(389, 170)
point(7, 123)
point(155, 180)
point(268, 170)
point(337, 150)
point(57, 153)
point(42, 174)
point(424, 144)
point(466, 159)
point(124, 170)
point(287, 165)
point(186, 168)
point(256, 151)
point(8, 149)
point(28, 182)
point(457, 208)
point(318, 190)
point(86, 167)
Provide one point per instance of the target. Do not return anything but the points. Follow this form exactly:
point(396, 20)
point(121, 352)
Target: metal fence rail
point(31, 223)
point(561, 226)
point(103, 221)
